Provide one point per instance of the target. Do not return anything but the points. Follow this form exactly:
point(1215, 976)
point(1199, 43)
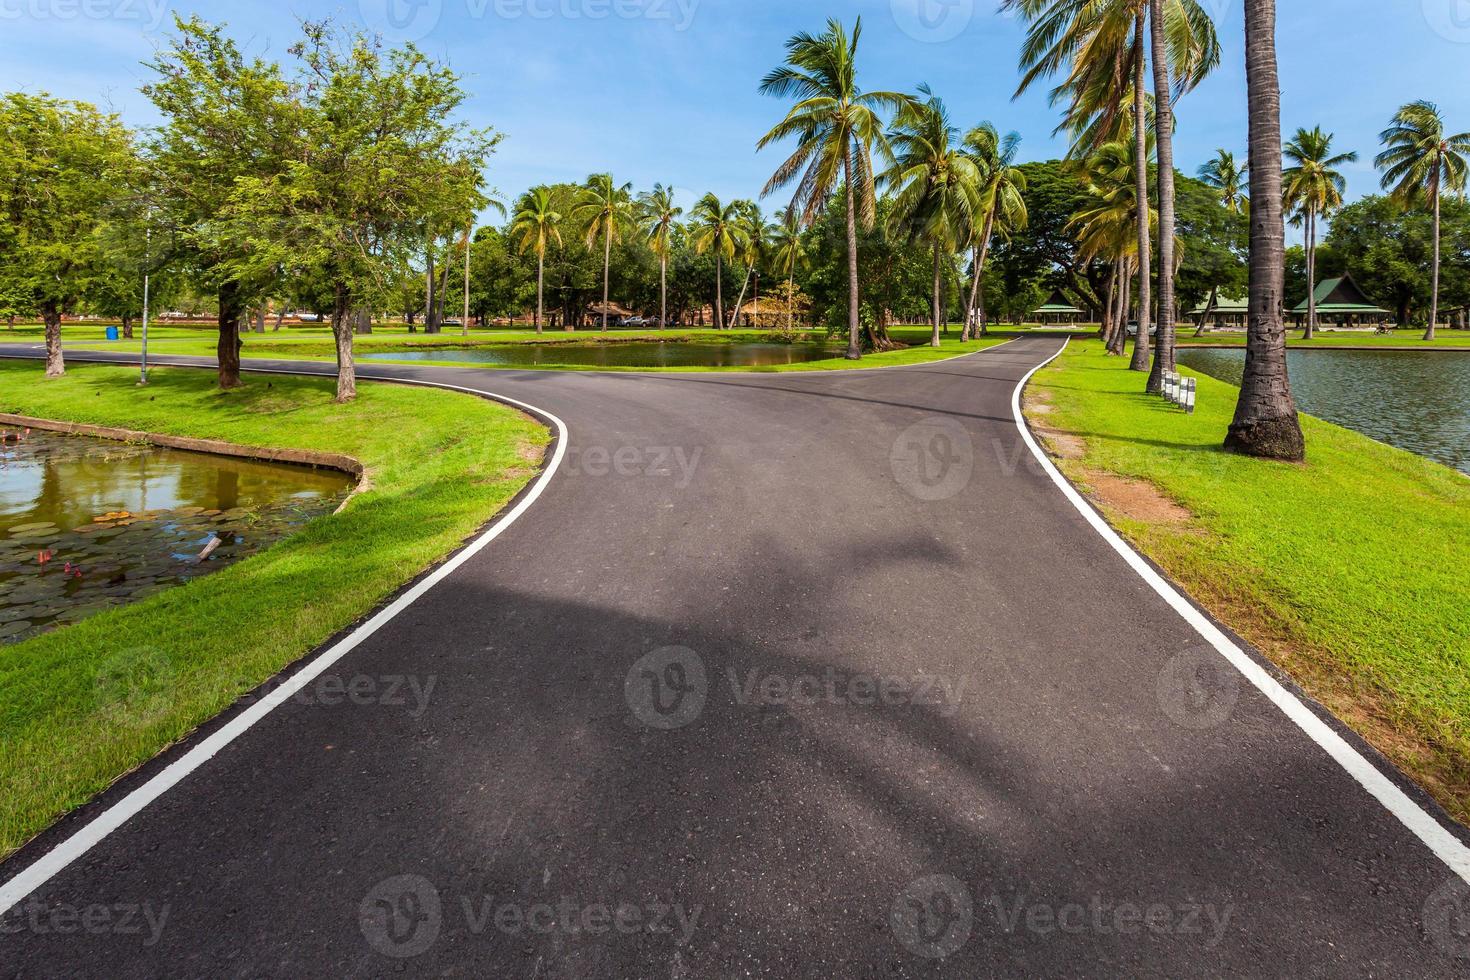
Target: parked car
point(309, 317)
point(1153, 331)
point(636, 321)
point(451, 323)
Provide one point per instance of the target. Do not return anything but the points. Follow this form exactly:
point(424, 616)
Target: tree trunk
point(363, 324)
point(55, 360)
point(980, 274)
point(464, 325)
point(227, 351)
point(968, 333)
point(127, 326)
point(1311, 330)
point(719, 292)
point(1266, 423)
point(854, 336)
point(280, 318)
point(431, 304)
point(1140, 165)
point(260, 313)
point(1164, 354)
point(1119, 344)
point(938, 264)
point(540, 289)
point(663, 290)
point(1434, 286)
point(791, 303)
point(1109, 318)
point(606, 273)
point(342, 332)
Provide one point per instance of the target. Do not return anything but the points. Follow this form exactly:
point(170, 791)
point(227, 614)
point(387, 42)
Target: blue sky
point(665, 90)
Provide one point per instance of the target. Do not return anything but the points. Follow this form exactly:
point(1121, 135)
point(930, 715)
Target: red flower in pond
point(42, 557)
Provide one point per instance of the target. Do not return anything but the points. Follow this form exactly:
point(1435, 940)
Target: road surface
point(782, 675)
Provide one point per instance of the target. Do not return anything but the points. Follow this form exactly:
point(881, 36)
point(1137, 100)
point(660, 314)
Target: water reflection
point(632, 354)
point(1419, 401)
point(88, 523)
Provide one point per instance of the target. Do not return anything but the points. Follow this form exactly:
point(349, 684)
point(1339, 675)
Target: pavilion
point(1223, 311)
point(1340, 302)
point(1058, 310)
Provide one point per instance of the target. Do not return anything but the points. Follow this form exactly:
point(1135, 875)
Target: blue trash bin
point(112, 333)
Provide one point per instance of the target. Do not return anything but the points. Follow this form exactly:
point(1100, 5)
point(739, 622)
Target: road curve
point(783, 675)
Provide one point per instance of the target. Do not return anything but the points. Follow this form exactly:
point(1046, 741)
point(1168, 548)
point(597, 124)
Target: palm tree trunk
point(540, 289)
point(1311, 330)
point(1110, 309)
point(1125, 303)
point(606, 273)
point(739, 303)
point(1434, 286)
point(663, 290)
point(1265, 423)
point(464, 326)
point(938, 259)
point(719, 292)
point(342, 335)
point(985, 238)
point(791, 302)
point(854, 347)
point(1164, 362)
point(55, 360)
point(1140, 167)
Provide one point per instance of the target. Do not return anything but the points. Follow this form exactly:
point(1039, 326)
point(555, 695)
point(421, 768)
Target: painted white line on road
point(79, 843)
point(1445, 845)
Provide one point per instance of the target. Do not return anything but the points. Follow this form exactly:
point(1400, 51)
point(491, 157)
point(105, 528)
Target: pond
point(627, 354)
point(1419, 401)
point(86, 523)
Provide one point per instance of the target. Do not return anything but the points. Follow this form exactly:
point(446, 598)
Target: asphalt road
point(784, 675)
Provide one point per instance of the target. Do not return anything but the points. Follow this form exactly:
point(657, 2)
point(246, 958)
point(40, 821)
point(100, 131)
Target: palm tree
point(717, 231)
point(938, 197)
point(605, 210)
point(659, 218)
point(1421, 162)
point(1106, 229)
point(1002, 208)
point(756, 234)
point(788, 251)
point(1265, 423)
point(837, 127)
point(1228, 178)
point(537, 224)
point(1313, 188)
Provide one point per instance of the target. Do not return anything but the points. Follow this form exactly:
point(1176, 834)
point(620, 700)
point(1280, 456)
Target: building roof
point(1058, 303)
point(1225, 306)
point(1341, 296)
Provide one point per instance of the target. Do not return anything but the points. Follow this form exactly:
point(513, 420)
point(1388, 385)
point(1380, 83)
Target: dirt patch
point(1062, 445)
point(1136, 499)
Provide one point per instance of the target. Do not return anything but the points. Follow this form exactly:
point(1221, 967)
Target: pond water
point(116, 522)
point(628, 354)
point(1419, 401)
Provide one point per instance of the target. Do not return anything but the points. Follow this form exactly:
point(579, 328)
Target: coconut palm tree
point(937, 186)
point(1106, 229)
point(660, 216)
point(1228, 178)
point(788, 251)
point(1265, 422)
point(1313, 188)
point(718, 232)
point(1421, 162)
point(837, 128)
point(536, 225)
point(1002, 208)
point(757, 234)
point(604, 210)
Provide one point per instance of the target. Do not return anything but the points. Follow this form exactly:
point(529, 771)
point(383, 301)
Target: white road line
point(1445, 845)
point(79, 843)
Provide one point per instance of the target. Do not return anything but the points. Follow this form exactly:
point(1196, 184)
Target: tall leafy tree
point(605, 210)
point(1002, 209)
point(718, 231)
point(59, 166)
point(660, 216)
point(1227, 177)
point(536, 226)
point(1313, 188)
point(1422, 162)
point(1265, 423)
point(226, 119)
point(937, 187)
point(837, 128)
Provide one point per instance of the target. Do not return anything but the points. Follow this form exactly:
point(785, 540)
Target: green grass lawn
point(315, 343)
point(1443, 340)
point(70, 728)
point(1349, 571)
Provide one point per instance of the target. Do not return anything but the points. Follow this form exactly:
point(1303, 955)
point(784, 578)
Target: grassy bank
point(83, 705)
point(1348, 571)
point(315, 343)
